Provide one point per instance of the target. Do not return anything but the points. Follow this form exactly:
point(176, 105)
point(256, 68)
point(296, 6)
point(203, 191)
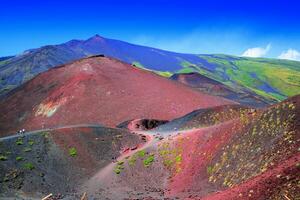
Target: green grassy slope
point(271, 78)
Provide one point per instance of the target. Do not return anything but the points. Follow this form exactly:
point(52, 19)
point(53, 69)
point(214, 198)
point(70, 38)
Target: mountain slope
point(271, 79)
point(220, 153)
point(97, 90)
point(54, 156)
point(213, 87)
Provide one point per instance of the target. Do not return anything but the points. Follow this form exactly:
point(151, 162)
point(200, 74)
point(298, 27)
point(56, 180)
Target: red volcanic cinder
point(98, 90)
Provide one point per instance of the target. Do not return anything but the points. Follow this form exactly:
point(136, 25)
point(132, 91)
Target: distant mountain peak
point(96, 37)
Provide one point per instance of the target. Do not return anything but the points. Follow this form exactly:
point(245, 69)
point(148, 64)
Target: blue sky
point(251, 28)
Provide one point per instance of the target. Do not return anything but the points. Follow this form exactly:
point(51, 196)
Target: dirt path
point(50, 129)
point(104, 175)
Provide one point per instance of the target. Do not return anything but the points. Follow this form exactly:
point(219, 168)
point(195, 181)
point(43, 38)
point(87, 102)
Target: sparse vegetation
point(117, 170)
point(19, 158)
point(120, 162)
point(72, 151)
point(119, 167)
point(45, 134)
point(178, 158)
point(28, 166)
point(3, 158)
point(31, 142)
point(132, 160)
point(168, 163)
point(172, 156)
point(27, 149)
point(141, 153)
point(249, 148)
point(19, 141)
point(149, 160)
point(209, 169)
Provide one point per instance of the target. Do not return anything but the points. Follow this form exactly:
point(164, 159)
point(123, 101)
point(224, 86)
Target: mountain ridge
point(97, 90)
point(241, 74)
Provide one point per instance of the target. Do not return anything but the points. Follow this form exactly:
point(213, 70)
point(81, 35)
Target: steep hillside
point(271, 79)
point(97, 90)
point(244, 154)
point(58, 160)
point(221, 153)
point(212, 87)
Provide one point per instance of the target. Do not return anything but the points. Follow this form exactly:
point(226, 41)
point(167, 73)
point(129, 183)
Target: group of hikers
point(21, 132)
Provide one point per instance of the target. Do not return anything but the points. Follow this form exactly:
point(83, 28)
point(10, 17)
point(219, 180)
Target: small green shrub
point(27, 149)
point(31, 142)
point(209, 169)
point(45, 134)
point(28, 166)
point(19, 141)
point(148, 161)
point(178, 158)
point(3, 158)
point(120, 162)
point(141, 153)
point(132, 160)
point(168, 163)
point(117, 170)
point(72, 151)
point(19, 158)
point(119, 167)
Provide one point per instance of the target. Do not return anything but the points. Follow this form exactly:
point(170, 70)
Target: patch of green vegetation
point(31, 142)
point(72, 151)
point(163, 152)
point(187, 64)
point(141, 153)
point(19, 158)
point(209, 169)
point(132, 160)
point(168, 163)
point(138, 64)
point(27, 149)
point(28, 166)
point(178, 158)
point(120, 162)
point(161, 73)
point(3, 157)
point(45, 134)
point(19, 141)
point(148, 161)
point(166, 74)
point(269, 78)
point(119, 167)
point(117, 170)
point(172, 156)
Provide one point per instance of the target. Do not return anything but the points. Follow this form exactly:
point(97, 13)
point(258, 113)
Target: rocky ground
point(227, 152)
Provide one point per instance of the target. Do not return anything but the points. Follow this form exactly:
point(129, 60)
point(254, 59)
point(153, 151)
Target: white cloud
point(290, 54)
point(257, 51)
